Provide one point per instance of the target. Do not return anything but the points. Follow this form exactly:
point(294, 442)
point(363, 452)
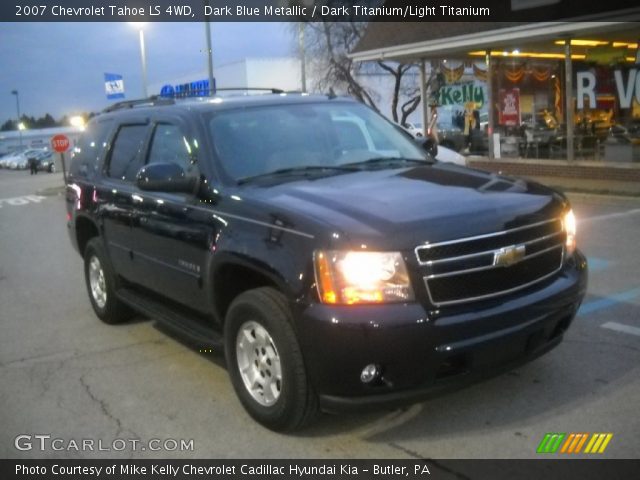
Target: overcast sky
point(59, 67)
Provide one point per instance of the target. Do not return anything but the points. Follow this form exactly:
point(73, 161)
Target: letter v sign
point(625, 92)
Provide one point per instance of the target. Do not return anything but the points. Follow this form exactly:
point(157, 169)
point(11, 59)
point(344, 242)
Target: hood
point(410, 206)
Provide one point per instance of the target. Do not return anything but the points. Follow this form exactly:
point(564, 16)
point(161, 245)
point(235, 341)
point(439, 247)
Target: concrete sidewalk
point(603, 178)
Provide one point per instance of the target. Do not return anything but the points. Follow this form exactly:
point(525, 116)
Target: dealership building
point(566, 90)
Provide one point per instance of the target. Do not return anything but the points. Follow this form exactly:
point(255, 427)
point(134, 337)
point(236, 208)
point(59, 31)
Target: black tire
point(296, 403)
point(111, 310)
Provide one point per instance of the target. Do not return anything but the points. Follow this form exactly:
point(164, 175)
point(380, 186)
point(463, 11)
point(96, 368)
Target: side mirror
point(429, 145)
point(165, 177)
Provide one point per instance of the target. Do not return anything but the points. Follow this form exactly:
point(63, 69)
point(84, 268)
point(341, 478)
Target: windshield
point(260, 140)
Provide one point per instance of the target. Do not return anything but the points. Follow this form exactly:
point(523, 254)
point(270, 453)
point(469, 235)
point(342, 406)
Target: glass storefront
point(528, 92)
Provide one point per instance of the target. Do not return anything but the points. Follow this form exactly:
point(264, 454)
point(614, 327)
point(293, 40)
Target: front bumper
point(422, 351)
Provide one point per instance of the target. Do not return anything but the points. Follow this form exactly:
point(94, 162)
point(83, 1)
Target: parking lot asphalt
point(67, 375)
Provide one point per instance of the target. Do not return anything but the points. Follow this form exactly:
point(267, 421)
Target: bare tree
point(328, 44)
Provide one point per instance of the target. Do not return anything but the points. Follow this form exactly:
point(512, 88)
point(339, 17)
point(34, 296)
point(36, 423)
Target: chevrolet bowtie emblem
point(507, 256)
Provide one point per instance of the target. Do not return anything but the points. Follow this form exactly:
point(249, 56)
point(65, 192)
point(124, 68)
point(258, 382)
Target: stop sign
point(60, 143)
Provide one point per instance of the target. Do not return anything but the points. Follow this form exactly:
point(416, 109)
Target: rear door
point(117, 195)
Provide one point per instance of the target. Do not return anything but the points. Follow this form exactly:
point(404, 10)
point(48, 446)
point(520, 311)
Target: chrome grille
point(486, 266)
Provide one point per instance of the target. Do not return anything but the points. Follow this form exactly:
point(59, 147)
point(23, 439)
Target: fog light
point(369, 373)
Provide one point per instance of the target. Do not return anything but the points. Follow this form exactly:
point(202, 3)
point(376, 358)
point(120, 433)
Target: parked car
point(447, 155)
point(20, 161)
point(9, 159)
point(335, 274)
point(414, 128)
point(46, 162)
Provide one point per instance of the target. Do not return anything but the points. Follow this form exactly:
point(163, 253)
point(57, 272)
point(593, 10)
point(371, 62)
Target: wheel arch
point(233, 275)
point(86, 229)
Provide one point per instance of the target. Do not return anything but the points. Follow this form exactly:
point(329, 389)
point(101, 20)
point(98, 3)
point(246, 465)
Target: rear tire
point(265, 362)
point(101, 285)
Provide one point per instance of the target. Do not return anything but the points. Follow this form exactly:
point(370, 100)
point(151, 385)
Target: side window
point(169, 145)
point(88, 151)
point(125, 158)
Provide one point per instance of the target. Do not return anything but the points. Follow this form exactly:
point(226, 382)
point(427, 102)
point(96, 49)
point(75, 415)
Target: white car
point(20, 161)
point(447, 155)
point(8, 159)
point(414, 128)
point(444, 154)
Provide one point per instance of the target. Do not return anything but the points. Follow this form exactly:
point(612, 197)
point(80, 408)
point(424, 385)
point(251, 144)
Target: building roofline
point(496, 37)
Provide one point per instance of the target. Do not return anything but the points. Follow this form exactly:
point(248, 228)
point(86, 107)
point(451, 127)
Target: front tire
point(265, 362)
point(101, 283)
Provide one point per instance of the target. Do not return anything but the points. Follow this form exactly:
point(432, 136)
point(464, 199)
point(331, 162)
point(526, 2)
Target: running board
point(188, 326)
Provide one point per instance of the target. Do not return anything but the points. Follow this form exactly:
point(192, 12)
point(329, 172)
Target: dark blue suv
point(337, 264)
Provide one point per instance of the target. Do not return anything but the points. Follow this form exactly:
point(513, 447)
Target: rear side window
point(169, 145)
point(125, 158)
point(88, 151)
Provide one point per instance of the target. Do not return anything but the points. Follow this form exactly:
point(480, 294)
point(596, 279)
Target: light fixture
point(143, 57)
point(77, 121)
point(22, 126)
point(583, 43)
point(496, 53)
point(625, 44)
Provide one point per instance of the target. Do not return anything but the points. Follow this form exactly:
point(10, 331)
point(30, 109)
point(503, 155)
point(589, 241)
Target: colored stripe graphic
point(550, 443)
point(598, 443)
point(574, 443)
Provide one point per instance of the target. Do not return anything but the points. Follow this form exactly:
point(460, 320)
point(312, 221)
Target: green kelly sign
point(461, 94)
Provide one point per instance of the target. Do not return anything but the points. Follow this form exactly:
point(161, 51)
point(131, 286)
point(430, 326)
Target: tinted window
point(87, 153)
point(350, 136)
point(125, 159)
point(254, 141)
point(169, 145)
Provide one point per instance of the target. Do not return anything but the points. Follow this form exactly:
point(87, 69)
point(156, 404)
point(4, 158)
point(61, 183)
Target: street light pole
point(303, 57)
point(15, 92)
point(143, 57)
point(207, 32)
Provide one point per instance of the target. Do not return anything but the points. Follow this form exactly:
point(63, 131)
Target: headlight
point(569, 226)
point(345, 277)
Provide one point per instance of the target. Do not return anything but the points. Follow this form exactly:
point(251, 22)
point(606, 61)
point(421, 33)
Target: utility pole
point(303, 57)
point(15, 92)
point(207, 30)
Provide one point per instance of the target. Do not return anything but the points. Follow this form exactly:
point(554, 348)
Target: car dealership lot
point(67, 375)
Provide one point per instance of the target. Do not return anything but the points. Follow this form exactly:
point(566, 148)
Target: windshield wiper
point(379, 160)
point(298, 170)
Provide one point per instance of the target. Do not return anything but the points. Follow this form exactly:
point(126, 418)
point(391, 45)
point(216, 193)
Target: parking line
point(607, 216)
point(608, 301)
point(619, 327)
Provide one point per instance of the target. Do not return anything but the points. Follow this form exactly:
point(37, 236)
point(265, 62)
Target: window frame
point(193, 157)
point(131, 122)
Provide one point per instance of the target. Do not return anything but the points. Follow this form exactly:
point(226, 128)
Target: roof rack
point(205, 92)
point(152, 101)
point(256, 89)
point(169, 99)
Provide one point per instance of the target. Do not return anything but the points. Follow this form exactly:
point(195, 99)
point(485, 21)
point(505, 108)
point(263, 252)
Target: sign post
point(60, 143)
